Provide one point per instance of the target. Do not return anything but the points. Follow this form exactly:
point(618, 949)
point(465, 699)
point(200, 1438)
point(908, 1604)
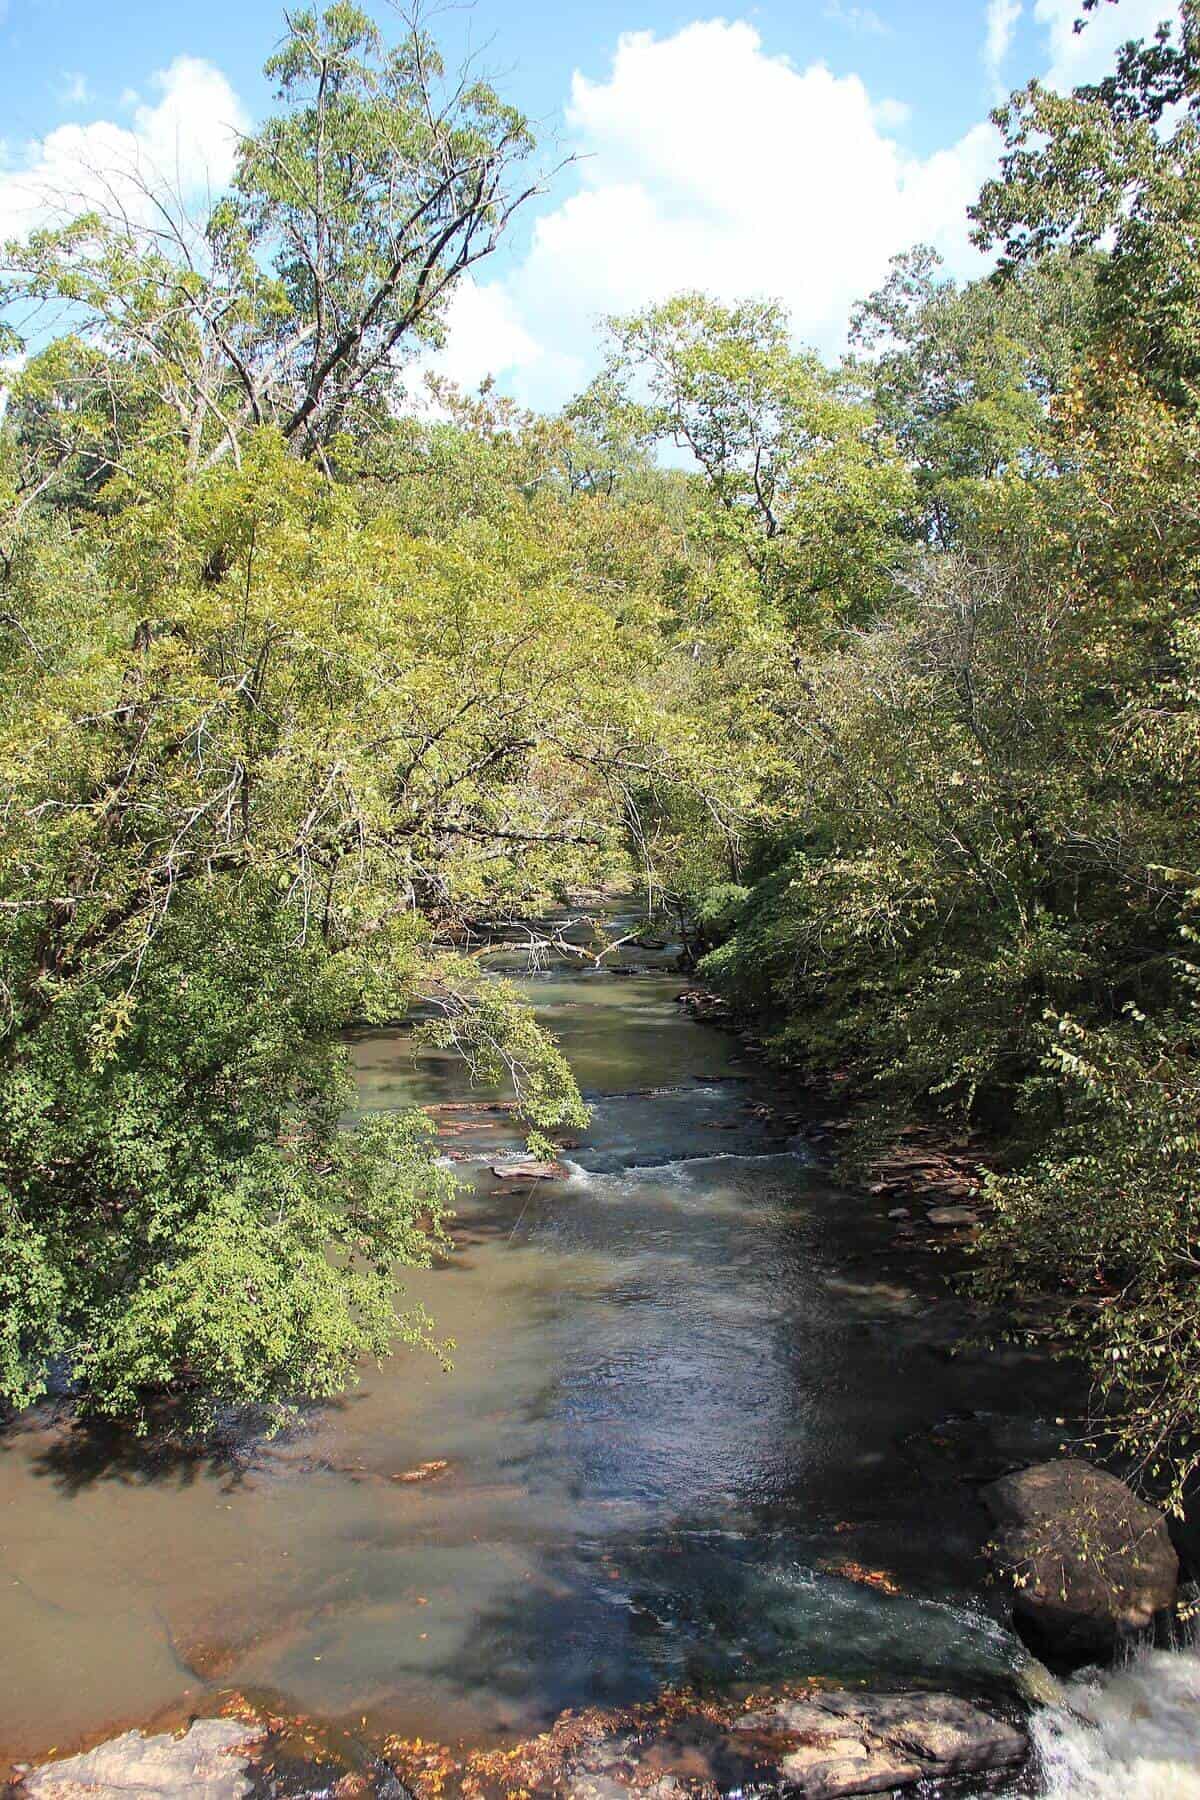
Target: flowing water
point(692, 1404)
point(1132, 1734)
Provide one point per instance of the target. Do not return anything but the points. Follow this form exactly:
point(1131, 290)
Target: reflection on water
point(678, 1417)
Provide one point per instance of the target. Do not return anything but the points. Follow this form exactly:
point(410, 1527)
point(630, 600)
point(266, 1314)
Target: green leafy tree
point(965, 870)
point(799, 481)
point(962, 378)
point(1114, 165)
point(241, 809)
point(297, 301)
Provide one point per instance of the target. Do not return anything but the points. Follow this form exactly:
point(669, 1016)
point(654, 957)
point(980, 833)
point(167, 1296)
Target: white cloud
point(186, 140)
point(1002, 20)
point(9, 366)
point(857, 18)
point(485, 339)
point(485, 334)
point(709, 163)
point(1082, 56)
point(892, 113)
point(73, 90)
point(706, 162)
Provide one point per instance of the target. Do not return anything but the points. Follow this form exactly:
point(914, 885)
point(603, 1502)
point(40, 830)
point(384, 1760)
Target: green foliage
point(976, 853)
point(173, 1159)
point(1098, 1228)
point(962, 377)
point(1117, 162)
point(799, 481)
point(980, 882)
point(263, 751)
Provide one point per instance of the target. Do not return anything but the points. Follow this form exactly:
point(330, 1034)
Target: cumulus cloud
point(184, 138)
point(710, 163)
point(9, 367)
point(706, 161)
point(484, 333)
point(892, 113)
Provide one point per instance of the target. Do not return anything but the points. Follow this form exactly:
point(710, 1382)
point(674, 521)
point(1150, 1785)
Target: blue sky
point(787, 148)
point(927, 52)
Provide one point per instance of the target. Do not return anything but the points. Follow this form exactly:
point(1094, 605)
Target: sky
point(786, 149)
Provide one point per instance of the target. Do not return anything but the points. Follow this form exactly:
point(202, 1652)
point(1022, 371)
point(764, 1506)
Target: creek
point(699, 1429)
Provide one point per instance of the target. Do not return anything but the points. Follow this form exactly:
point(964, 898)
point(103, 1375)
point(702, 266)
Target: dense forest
point(883, 678)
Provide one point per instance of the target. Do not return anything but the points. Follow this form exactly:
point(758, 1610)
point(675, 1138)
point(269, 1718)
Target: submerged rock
point(426, 1471)
point(1090, 1563)
point(200, 1765)
point(952, 1215)
point(815, 1745)
point(979, 1446)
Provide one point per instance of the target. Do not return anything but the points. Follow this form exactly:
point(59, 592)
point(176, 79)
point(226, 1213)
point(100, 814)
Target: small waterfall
point(1131, 1733)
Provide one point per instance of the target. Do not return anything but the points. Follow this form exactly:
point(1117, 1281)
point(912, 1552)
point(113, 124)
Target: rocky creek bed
point(822, 1745)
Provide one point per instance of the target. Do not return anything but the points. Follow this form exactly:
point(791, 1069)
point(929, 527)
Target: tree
point(242, 808)
point(1116, 166)
point(978, 899)
point(802, 485)
point(974, 885)
point(353, 212)
point(962, 378)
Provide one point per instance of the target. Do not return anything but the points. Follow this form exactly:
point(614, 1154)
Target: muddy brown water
point(690, 1403)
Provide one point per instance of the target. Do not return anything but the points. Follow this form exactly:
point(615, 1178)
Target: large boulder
point(1090, 1564)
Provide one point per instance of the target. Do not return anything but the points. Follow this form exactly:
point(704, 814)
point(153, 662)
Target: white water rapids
point(1131, 1733)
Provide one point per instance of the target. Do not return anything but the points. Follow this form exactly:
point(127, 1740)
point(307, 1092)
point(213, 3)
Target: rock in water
point(530, 1171)
point(841, 1744)
point(1090, 1563)
point(200, 1765)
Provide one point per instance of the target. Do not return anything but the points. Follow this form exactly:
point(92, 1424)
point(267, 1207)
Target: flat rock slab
point(1090, 1563)
point(834, 1745)
point(823, 1747)
point(530, 1171)
point(200, 1765)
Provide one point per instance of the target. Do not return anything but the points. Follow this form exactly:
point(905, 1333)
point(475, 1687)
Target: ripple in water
point(1128, 1734)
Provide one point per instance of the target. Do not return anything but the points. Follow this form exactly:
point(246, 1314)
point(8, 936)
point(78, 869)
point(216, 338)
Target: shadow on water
point(618, 1619)
point(77, 1453)
point(90, 1451)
